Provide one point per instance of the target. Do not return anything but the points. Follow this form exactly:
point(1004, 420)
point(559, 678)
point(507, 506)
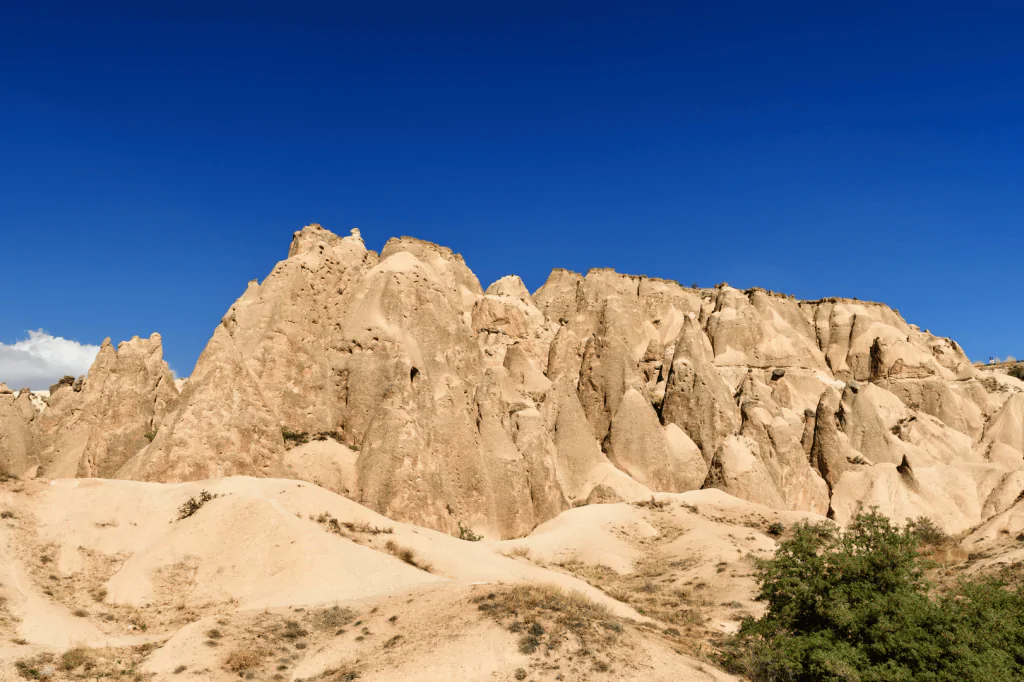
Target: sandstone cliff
point(397, 380)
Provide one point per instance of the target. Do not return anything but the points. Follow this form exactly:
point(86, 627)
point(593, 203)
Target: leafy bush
point(194, 504)
point(927, 532)
point(1017, 371)
point(776, 529)
point(855, 606)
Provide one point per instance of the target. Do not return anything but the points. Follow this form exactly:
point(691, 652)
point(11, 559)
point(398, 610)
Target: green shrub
point(294, 437)
point(1017, 371)
point(855, 606)
point(468, 534)
point(194, 504)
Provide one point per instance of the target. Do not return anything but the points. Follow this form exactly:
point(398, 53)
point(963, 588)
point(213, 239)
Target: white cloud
point(42, 359)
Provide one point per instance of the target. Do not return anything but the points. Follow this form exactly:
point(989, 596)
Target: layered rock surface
point(397, 380)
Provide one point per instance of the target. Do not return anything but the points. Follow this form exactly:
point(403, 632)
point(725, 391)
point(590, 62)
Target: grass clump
point(150, 435)
point(75, 658)
point(7, 514)
point(194, 504)
point(243, 660)
point(331, 618)
point(855, 605)
point(408, 556)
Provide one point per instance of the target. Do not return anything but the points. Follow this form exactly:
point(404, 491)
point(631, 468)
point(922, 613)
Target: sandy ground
point(282, 580)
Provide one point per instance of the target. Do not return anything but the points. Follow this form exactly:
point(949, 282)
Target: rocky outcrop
point(18, 453)
point(92, 427)
point(397, 380)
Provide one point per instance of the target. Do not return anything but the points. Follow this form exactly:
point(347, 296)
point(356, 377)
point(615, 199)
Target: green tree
point(854, 606)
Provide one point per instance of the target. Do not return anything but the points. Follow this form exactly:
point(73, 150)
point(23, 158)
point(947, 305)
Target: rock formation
point(397, 380)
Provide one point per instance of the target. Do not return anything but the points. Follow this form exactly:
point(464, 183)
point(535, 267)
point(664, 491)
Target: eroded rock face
point(397, 380)
point(94, 426)
point(18, 452)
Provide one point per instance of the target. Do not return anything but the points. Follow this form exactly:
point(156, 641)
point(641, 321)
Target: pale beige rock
point(18, 449)
point(1007, 425)
point(94, 427)
point(697, 398)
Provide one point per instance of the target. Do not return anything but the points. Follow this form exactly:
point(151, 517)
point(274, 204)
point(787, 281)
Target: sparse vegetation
point(468, 534)
point(194, 504)
point(362, 527)
point(32, 668)
point(7, 514)
point(651, 503)
point(519, 551)
point(245, 659)
point(855, 605)
point(546, 616)
point(150, 435)
point(331, 618)
point(408, 556)
point(85, 663)
point(75, 658)
point(776, 529)
point(1017, 372)
point(294, 437)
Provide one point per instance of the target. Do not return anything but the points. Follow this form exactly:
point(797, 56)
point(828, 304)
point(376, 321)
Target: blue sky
point(155, 159)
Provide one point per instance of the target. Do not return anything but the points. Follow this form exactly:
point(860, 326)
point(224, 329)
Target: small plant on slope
point(194, 504)
point(468, 534)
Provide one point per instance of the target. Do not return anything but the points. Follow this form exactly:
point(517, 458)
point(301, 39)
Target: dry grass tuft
point(242, 660)
point(408, 556)
point(519, 552)
point(331, 618)
point(76, 658)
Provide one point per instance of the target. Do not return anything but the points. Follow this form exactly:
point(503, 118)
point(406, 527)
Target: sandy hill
point(281, 579)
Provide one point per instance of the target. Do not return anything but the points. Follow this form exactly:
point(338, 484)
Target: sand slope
point(108, 564)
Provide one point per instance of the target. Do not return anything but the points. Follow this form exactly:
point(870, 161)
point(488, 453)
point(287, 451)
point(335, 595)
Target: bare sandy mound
point(146, 579)
point(684, 559)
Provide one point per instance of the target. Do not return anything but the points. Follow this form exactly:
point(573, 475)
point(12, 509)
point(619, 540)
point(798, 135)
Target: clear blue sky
point(153, 160)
